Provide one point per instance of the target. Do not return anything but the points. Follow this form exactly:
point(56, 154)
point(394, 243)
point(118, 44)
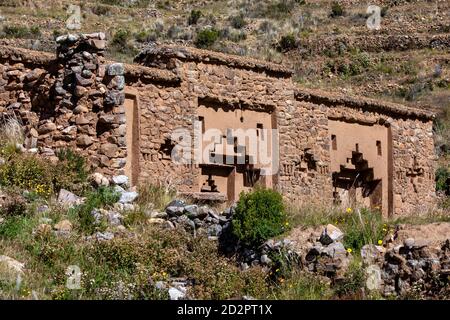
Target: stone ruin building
point(324, 148)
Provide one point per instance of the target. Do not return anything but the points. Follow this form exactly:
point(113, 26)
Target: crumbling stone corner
point(88, 96)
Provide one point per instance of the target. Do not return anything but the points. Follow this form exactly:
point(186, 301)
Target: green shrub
point(134, 218)
point(99, 198)
point(129, 4)
point(35, 31)
point(39, 176)
point(237, 36)
point(21, 32)
point(336, 10)
point(173, 32)
point(194, 17)
point(121, 37)
point(121, 47)
point(146, 36)
point(206, 38)
point(237, 22)
point(287, 42)
point(15, 227)
point(56, 33)
point(280, 9)
point(259, 216)
point(14, 205)
point(442, 176)
point(356, 64)
point(284, 265)
point(9, 150)
point(15, 31)
point(101, 10)
point(70, 171)
point(163, 5)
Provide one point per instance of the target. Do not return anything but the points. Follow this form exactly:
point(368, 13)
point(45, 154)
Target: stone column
point(89, 97)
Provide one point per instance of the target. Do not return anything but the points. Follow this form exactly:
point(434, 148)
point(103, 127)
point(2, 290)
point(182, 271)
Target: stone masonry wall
point(414, 165)
point(24, 87)
point(89, 101)
point(165, 109)
point(304, 144)
point(77, 101)
point(413, 157)
point(162, 110)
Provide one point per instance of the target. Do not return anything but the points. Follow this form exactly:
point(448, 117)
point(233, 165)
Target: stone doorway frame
point(132, 166)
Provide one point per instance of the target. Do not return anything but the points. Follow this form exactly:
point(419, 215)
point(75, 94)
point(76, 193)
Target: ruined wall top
point(153, 56)
point(366, 104)
point(25, 56)
point(46, 60)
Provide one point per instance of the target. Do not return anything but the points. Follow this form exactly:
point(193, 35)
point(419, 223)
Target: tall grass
point(309, 215)
point(155, 196)
point(11, 130)
point(363, 227)
point(360, 225)
point(303, 286)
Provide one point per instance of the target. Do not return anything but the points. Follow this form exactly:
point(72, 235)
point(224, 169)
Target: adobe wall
point(202, 84)
point(410, 185)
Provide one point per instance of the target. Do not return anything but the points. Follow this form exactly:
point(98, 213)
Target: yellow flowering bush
point(27, 172)
point(41, 177)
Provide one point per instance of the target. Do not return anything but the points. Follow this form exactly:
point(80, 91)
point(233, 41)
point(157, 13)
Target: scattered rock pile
point(199, 220)
point(328, 255)
point(113, 217)
point(89, 98)
point(416, 266)
point(204, 220)
point(269, 255)
point(176, 288)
